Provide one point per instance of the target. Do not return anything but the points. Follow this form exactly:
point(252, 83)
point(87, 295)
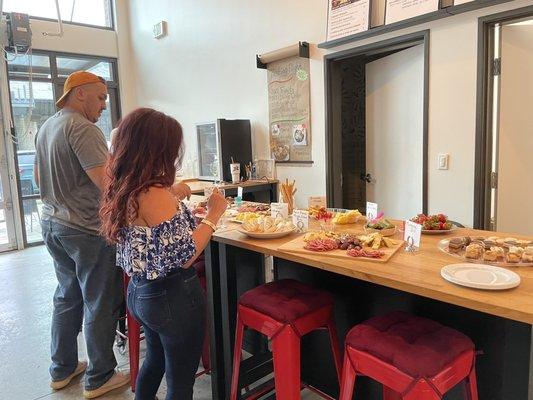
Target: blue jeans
point(172, 312)
point(90, 290)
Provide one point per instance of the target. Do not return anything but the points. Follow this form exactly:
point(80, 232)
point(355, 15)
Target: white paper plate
point(270, 235)
point(480, 276)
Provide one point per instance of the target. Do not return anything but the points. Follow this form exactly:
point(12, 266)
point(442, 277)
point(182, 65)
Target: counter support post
point(214, 320)
point(228, 304)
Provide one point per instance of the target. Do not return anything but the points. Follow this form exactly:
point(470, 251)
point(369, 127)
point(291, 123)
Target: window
point(32, 104)
point(88, 12)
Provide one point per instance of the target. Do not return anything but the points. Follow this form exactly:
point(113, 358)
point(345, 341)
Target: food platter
point(318, 243)
point(436, 231)
point(266, 235)
point(480, 276)
point(384, 232)
point(502, 260)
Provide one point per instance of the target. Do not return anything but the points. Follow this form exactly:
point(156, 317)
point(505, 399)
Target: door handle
point(366, 178)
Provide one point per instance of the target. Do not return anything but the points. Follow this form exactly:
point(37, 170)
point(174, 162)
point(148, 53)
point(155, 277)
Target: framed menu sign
point(347, 17)
point(399, 10)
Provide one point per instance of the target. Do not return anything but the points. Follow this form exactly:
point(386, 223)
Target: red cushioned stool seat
point(284, 311)
point(413, 357)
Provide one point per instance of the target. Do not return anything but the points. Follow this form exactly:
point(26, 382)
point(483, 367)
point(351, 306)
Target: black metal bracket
point(303, 51)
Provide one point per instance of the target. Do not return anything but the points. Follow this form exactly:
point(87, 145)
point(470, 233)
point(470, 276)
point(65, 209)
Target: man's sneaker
point(117, 380)
point(56, 385)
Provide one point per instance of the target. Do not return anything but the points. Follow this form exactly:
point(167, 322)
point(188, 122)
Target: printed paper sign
point(239, 192)
point(317, 201)
point(371, 210)
point(412, 233)
point(300, 219)
point(279, 210)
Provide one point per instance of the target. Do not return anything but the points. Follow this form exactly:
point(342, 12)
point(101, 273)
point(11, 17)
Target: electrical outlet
point(443, 161)
point(160, 29)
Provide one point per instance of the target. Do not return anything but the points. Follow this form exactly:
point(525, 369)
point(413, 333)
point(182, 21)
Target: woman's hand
point(181, 191)
point(216, 206)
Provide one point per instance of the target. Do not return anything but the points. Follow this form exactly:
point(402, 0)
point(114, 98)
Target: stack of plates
point(480, 276)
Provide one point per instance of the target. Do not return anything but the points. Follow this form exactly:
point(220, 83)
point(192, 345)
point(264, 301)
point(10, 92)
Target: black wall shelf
point(439, 14)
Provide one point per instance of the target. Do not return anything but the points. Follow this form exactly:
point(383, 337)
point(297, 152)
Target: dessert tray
point(493, 250)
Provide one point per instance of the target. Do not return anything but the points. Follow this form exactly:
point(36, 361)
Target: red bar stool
point(284, 311)
point(414, 358)
point(134, 331)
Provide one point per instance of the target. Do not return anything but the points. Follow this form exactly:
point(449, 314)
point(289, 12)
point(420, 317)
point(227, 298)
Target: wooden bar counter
point(499, 322)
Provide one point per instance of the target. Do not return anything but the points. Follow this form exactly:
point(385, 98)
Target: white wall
point(206, 69)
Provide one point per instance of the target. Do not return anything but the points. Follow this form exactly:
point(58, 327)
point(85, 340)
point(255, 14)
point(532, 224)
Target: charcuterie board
point(297, 246)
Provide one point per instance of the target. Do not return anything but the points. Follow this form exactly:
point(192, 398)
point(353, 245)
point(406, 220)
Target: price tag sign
point(371, 210)
point(300, 219)
point(411, 235)
point(279, 210)
point(317, 201)
point(239, 192)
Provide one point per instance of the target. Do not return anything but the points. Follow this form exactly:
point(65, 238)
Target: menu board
point(399, 10)
point(347, 17)
point(289, 110)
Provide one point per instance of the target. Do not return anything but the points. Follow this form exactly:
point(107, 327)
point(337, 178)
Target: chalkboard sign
point(289, 110)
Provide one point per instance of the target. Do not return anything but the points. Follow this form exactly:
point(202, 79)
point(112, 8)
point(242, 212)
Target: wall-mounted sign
point(347, 17)
point(289, 110)
point(399, 10)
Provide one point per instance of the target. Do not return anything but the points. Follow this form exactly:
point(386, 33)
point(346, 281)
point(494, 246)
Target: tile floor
point(27, 283)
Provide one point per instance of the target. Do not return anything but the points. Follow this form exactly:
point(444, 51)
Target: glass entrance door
point(7, 218)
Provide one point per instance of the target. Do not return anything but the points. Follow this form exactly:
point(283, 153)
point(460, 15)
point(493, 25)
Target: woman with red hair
point(157, 241)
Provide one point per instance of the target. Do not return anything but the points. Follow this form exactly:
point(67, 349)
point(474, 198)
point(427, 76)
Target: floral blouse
point(155, 251)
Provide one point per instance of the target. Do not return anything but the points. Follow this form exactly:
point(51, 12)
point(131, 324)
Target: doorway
point(504, 188)
point(376, 126)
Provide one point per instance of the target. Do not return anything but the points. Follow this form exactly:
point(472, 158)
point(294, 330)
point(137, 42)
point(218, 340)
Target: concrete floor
point(27, 283)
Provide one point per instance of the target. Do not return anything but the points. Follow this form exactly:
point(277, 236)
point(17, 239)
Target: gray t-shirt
point(66, 146)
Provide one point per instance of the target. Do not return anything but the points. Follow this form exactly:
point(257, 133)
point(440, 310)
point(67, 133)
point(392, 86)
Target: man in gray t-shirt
point(71, 153)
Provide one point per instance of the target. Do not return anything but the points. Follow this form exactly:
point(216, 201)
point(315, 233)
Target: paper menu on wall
point(317, 201)
point(347, 17)
point(279, 210)
point(399, 10)
point(300, 219)
point(371, 210)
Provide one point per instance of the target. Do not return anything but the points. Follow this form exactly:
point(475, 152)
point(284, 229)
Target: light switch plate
point(160, 29)
point(443, 161)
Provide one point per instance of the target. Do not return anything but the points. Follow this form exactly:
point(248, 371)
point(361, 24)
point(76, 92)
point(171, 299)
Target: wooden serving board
point(297, 246)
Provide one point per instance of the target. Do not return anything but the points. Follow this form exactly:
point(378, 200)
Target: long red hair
point(145, 150)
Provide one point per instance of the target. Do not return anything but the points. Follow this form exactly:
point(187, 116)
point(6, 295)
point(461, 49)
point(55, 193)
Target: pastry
point(468, 240)
point(493, 238)
point(514, 254)
point(474, 251)
point(487, 243)
point(456, 244)
point(490, 255)
point(523, 243)
point(527, 255)
point(500, 253)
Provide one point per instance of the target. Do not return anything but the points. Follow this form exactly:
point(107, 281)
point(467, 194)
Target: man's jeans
point(90, 290)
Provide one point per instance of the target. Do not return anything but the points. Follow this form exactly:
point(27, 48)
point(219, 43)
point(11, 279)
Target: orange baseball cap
point(76, 79)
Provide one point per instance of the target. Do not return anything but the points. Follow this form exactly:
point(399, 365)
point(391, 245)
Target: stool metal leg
point(237, 351)
point(389, 394)
point(334, 339)
point(471, 385)
point(286, 352)
point(134, 337)
point(348, 379)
